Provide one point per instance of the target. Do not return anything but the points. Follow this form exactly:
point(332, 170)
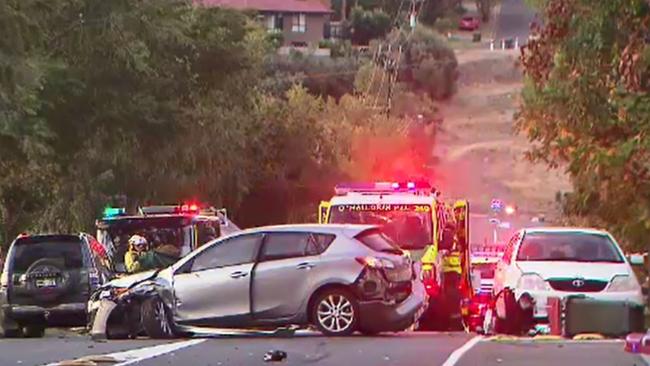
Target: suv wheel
point(34, 331)
point(335, 312)
point(11, 333)
point(156, 320)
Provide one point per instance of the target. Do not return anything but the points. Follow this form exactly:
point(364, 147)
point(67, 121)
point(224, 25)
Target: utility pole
point(392, 68)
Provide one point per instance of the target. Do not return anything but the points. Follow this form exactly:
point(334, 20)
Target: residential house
point(302, 23)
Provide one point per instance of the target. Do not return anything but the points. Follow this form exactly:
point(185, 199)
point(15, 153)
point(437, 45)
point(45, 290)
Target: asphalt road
point(430, 349)
point(514, 20)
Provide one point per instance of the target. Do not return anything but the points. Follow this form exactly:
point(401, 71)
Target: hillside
point(480, 155)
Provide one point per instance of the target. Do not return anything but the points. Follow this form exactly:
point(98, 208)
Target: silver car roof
point(348, 229)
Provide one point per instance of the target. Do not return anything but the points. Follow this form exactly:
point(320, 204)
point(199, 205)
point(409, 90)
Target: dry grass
point(481, 156)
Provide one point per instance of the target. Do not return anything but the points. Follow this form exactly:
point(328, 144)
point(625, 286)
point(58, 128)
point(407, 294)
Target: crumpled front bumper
point(380, 316)
point(541, 298)
point(100, 312)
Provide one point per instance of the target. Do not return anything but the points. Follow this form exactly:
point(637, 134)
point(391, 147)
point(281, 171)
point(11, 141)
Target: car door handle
point(238, 274)
point(305, 265)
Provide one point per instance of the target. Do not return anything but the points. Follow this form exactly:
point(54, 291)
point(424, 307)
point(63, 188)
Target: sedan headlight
point(623, 283)
point(532, 282)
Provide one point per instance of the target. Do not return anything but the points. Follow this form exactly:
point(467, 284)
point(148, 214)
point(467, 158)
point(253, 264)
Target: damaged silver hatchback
point(337, 278)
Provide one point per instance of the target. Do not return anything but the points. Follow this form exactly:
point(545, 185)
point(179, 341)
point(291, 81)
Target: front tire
point(335, 313)
point(156, 319)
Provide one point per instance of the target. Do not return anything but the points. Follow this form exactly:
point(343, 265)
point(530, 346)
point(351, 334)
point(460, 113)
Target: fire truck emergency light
point(114, 211)
point(381, 187)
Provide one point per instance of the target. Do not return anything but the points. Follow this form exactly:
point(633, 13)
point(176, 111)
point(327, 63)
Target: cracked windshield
point(326, 182)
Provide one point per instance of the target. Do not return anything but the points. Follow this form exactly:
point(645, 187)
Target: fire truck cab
point(434, 233)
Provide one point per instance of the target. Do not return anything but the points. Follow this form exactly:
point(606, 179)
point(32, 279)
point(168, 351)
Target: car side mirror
point(636, 259)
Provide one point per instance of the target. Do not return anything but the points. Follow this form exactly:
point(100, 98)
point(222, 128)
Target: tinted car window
point(238, 250)
point(568, 246)
point(67, 254)
point(288, 245)
point(323, 241)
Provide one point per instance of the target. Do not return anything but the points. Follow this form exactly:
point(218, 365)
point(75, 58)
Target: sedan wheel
point(336, 313)
point(156, 320)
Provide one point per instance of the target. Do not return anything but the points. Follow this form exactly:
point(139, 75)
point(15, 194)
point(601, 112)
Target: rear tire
point(156, 319)
point(11, 333)
point(335, 312)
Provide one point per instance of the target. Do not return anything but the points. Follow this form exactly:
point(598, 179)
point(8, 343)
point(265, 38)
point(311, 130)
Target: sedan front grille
point(578, 285)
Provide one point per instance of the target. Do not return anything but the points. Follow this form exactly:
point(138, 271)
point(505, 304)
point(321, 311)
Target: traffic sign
point(496, 205)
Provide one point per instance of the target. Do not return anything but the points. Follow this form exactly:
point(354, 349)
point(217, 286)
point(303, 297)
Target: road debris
point(275, 356)
point(588, 337)
point(93, 360)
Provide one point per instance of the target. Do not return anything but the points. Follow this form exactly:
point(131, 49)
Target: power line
point(392, 65)
point(378, 52)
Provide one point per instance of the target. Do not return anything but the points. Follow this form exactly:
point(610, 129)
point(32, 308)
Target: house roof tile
point(293, 6)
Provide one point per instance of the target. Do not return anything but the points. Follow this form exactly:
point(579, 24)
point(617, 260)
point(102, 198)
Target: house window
point(274, 23)
point(299, 23)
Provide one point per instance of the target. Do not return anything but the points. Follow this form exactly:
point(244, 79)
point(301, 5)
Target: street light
point(510, 210)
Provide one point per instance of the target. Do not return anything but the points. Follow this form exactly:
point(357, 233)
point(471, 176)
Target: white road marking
point(455, 356)
point(137, 355)
point(133, 356)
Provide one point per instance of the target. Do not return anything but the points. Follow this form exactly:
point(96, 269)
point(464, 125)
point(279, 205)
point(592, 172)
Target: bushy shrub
point(323, 76)
point(444, 25)
point(427, 64)
point(367, 25)
point(276, 39)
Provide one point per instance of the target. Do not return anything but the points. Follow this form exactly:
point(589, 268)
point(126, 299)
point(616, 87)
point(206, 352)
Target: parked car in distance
point(338, 278)
point(559, 262)
point(469, 23)
point(48, 279)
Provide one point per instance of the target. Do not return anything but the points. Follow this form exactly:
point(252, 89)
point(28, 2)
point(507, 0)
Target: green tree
point(367, 25)
point(484, 8)
point(155, 100)
point(586, 108)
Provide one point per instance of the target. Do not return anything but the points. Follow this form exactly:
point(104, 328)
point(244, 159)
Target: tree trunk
point(484, 8)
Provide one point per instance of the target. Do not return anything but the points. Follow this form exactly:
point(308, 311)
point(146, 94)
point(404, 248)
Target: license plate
point(46, 282)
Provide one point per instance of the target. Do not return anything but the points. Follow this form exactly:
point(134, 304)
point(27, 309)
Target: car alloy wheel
point(160, 314)
point(336, 314)
point(156, 319)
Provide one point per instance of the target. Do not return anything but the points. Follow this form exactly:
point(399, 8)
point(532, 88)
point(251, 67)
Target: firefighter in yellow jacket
point(138, 247)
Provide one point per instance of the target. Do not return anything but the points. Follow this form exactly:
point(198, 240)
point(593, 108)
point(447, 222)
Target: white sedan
point(558, 262)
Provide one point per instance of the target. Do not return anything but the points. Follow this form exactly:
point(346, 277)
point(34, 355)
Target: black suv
point(47, 280)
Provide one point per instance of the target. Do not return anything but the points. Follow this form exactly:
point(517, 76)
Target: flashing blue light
point(114, 211)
